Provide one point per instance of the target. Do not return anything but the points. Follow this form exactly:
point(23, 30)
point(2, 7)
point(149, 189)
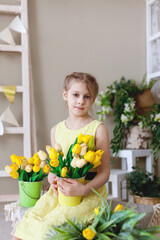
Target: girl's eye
point(88, 97)
point(75, 94)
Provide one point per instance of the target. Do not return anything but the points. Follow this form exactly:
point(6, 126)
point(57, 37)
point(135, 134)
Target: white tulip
point(25, 162)
point(28, 168)
point(43, 163)
point(8, 169)
point(48, 147)
point(80, 163)
point(58, 147)
point(83, 149)
point(42, 155)
point(74, 161)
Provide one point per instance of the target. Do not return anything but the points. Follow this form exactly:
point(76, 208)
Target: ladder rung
point(9, 198)
point(154, 75)
point(18, 88)
point(151, 2)
point(14, 130)
point(10, 48)
point(3, 173)
point(154, 37)
point(9, 9)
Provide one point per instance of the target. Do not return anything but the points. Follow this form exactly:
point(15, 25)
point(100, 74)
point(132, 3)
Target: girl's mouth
point(80, 108)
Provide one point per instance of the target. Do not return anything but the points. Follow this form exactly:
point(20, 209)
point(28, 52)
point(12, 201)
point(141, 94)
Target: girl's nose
point(80, 100)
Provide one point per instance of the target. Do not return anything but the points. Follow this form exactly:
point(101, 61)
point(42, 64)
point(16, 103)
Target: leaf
point(34, 178)
point(24, 176)
point(74, 225)
point(133, 221)
point(106, 225)
point(86, 169)
point(103, 236)
point(40, 175)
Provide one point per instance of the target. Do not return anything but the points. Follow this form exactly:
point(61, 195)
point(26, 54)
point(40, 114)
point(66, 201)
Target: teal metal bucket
point(29, 193)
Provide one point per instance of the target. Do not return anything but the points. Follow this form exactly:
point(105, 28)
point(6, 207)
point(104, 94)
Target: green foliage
point(32, 176)
point(119, 98)
point(143, 183)
point(120, 225)
point(152, 122)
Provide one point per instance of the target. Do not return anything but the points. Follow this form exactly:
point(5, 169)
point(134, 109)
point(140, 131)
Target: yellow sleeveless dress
point(38, 219)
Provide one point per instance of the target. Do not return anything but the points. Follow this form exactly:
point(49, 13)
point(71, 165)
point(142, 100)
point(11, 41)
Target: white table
point(118, 176)
point(129, 158)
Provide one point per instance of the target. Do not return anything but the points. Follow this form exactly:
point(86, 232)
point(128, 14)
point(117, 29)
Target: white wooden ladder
point(28, 130)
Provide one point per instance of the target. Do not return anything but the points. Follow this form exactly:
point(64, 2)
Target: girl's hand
point(70, 187)
point(53, 182)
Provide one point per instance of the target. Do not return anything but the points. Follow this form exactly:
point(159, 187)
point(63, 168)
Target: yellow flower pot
point(70, 201)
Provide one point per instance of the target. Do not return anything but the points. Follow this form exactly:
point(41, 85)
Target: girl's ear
point(64, 93)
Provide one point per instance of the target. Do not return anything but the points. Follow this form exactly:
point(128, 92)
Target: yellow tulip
point(37, 161)
point(99, 152)
point(76, 149)
point(89, 156)
point(62, 154)
point(28, 168)
point(31, 161)
point(53, 153)
point(36, 168)
point(86, 138)
point(64, 171)
point(35, 155)
point(14, 174)
point(88, 234)
point(80, 138)
point(54, 162)
point(96, 164)
point(36, 158)
point(46, 169)
point(14, 167)
point(96, 210)
point(42, 155)
point(118, 208)
point(19, 161)
point(13, 158)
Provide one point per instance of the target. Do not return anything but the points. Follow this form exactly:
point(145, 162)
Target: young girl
point(80, 91)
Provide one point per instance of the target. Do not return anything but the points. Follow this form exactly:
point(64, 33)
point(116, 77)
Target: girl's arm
point(72, 187)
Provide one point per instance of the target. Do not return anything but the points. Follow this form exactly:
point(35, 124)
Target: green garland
point(119, 98)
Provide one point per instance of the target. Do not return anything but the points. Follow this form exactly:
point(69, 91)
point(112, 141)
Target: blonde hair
point(86, 78)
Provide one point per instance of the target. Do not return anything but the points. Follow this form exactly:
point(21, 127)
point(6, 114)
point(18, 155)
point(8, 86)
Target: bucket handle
point(27, 193)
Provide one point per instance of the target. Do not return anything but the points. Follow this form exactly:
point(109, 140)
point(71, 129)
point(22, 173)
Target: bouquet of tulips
point(35, 169)
point(81, 157)
point(120, 223)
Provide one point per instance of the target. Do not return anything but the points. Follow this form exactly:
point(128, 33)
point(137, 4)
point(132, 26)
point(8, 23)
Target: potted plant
point(81, 157)
point(120, 98)
point(107, 224)
point(30, 174)
point(144, 186)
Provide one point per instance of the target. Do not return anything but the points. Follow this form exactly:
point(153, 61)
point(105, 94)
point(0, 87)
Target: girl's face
point(78, 98)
